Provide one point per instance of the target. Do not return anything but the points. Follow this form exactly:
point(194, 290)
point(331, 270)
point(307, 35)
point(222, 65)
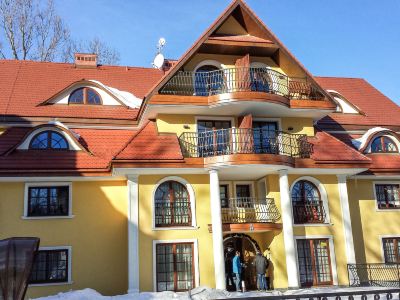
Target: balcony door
point(265, 137)
point(214, 137)
point(314, 262)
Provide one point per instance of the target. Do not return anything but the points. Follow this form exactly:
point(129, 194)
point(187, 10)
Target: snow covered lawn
point(202, 293)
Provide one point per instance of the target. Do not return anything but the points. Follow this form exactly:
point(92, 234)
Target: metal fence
point(240, 79)
point(244, 141)
point(375, 274)
point(250, 210)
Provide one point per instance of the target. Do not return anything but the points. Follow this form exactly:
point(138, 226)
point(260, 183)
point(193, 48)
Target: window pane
point(40, 141)
point(76, 96)
point(391, 250)
point(92, 97)
point(50, 266)
point(387, 195)
point(48, 201)
point(58, 141)
point(389, 145)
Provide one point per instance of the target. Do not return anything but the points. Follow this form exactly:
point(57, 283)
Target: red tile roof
point(26, 84)
point(379, 110)
point(327, 148)
point(148, 144)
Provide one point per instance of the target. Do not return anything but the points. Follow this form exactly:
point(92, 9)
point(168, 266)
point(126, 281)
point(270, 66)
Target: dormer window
point(48, 140)
point(84, 95)
point(383, 144)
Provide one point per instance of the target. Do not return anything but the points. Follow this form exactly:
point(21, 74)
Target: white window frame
point(324, 198)
point(69, 248)
point(192, 198)
point(386, 236)
point(195, 259)
point(47, 184)
point(243, 182)
point(374, 183)
point(72, 145)
point(331, 253)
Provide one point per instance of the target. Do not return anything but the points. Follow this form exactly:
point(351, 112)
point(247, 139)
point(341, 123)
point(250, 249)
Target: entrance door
point(247, 248)
point(265, 137)
point(213, 137)
point(314, 262)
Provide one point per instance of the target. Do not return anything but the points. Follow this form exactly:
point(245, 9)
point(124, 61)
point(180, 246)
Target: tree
point(31, 29)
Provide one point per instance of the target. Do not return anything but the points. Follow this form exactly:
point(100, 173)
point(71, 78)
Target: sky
point(347, 38)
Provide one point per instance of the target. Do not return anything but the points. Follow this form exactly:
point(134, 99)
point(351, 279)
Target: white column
point(216, 220)
point(133, 234)
point(348, 232)
point(288, 237)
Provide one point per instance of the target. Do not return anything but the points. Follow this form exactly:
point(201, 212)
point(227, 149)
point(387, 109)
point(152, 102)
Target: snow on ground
point(203, 293)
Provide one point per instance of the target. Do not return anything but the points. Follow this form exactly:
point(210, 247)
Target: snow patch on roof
point(127, 98)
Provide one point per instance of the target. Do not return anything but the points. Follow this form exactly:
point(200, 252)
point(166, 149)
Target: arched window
point(208, 80)
point(49, 140)
point(383, 144)
point(172, 205)
point(84, 95)
point(307, 204)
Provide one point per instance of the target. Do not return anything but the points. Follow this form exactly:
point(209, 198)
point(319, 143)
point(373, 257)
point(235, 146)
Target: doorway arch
point(248, 248)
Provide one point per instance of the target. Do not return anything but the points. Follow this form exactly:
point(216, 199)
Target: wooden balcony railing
point(244, 141)
point(250, 210)
point(312, 212)
point(241, 79)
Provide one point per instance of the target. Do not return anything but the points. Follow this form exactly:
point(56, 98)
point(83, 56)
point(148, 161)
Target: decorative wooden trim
point(248, 227)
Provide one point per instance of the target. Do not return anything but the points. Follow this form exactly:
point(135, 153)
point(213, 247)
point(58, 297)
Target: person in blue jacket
point(237, 270)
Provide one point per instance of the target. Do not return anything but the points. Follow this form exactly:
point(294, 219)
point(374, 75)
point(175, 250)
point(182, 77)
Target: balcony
point(244, 141)
point(374, 274)
point(241, 79)
point(250, 210)
point(304, 213)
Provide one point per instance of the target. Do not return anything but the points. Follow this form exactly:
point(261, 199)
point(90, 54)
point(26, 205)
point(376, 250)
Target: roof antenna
point(159, 59)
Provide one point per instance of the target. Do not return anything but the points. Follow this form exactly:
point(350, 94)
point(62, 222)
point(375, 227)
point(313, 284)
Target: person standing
point(261, 268)
point(237, 270)
point(228, 267)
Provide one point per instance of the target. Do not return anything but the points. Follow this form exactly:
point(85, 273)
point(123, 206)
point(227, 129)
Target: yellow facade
point(97, 234)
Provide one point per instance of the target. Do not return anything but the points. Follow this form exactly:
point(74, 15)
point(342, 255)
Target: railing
point(240, 79)
point(312, 212)
point(244, 141)
point(177, 213)
point(250, 210)
point(376, 274)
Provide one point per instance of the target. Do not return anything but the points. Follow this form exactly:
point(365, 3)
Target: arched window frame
point(382, 137)
point(85, 97)
point(208, 62)
point(192, 200)
point(323, 196)
point(48, 133)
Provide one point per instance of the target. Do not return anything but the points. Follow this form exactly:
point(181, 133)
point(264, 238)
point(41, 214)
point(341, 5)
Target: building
point(137, 179)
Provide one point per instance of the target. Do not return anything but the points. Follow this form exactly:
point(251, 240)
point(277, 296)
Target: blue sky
point(357, 38)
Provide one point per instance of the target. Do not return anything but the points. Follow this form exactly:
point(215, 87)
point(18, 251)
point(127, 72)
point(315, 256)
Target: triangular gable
point(248, 21)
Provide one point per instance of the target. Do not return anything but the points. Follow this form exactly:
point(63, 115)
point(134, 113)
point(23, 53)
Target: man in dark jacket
point(261, 268)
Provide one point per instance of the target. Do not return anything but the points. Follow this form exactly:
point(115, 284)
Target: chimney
point(85, 60)
point(168, 64)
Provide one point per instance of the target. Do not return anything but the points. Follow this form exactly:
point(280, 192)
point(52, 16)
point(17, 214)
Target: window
point(174, 267)
point(50, 266)
point(84, 95)
point(209, 80)
point(48, 201)
point(383, 144)
point(172, 205)
point(49, 140)
point(391, 250)
point(224, 195)
point(387, 195)
point(307, 204)
point(314, 262)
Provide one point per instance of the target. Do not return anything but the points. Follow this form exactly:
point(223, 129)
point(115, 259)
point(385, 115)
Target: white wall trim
point(133, 234)
point(331, 252)
point(391, 137)
point(192, 198)
point(322, 192)
point(47, 184)
point(72, 145)
point(69, 248)
point(195, 259)
point(374, 183)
